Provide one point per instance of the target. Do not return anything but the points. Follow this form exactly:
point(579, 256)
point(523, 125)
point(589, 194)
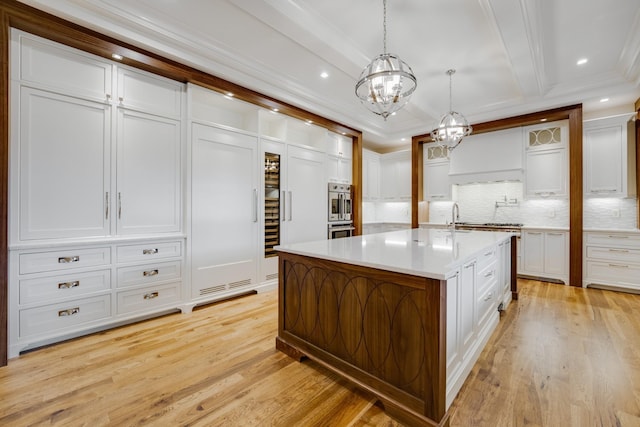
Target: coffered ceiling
point(511, 56)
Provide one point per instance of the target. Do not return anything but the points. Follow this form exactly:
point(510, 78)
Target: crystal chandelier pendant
point(386, 84)
point(453, 126)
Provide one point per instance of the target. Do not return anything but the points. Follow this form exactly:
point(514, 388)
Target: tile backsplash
point(386, 212)
point(477, 203)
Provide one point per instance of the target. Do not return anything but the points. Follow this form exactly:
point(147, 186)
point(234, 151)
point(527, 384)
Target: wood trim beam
point(572, 113)
point(20, 16)
point(417, 192)
point(357, 185)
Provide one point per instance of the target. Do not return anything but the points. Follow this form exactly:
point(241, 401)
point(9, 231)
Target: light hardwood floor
point(561, 356)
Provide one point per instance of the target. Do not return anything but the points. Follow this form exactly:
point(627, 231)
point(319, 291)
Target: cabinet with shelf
point(370, 175)
point(436, 185)
point(546, 160)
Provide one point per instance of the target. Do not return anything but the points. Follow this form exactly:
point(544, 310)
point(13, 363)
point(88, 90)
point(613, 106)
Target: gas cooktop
point(490, 224)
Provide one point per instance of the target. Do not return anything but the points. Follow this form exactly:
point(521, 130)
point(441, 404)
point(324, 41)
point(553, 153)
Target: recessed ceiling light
point(543, 120)
point(403, 139)
point(229, 93)
point(275, 110)
point(604, 100)
point(324, 74)
point(582, 61)
point(309, 122)
point(117, 57)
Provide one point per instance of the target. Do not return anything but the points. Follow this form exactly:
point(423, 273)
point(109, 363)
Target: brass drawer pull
point(68, 259)
point(150, 273)
point(151, 295)
point(149, 251)
point(69, 312)
point(69, 285)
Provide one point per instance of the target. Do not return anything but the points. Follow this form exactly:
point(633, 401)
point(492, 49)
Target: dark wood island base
point(384, 331)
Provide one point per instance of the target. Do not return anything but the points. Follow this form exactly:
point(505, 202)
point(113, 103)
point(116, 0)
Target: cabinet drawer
point(486, 277)
point(614, 239)
point(149, 273)
point(63, 286)
point(149, 298)
point(63, 259)
point(613, 273)
point(148, 251)
point(487, 304)
point(487, 257)
point(622, 255)
point(62, 316)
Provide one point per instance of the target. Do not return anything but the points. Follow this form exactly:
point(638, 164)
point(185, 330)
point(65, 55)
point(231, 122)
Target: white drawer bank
point(58, 292)
point(612, 260)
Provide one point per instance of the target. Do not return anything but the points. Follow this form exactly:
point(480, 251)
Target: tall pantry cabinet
point(95, 182)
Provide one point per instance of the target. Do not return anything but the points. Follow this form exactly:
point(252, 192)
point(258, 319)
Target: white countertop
point(421, 252)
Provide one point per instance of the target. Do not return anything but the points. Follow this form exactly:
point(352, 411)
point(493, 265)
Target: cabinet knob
point(150, 273)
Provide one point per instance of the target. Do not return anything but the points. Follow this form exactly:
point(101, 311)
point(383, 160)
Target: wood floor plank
point(561, 356)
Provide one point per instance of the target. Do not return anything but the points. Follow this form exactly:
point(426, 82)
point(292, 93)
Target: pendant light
point(452, 126)
point(386, 84)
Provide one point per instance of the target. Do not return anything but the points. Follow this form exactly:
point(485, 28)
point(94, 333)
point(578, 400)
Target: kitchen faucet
point(455, 214)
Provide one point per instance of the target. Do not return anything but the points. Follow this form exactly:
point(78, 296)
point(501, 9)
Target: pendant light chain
point(450, 72)
point(386, 84)
point(384, 26)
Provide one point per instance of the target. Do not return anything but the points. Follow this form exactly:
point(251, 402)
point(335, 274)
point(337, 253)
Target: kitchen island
point(403, 314)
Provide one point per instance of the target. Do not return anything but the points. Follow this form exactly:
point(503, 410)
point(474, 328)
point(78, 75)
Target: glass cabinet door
point(271, 203)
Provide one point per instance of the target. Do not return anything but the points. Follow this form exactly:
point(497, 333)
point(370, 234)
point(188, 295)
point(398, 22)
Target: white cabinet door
point(64, 162)
point(149, 92)
point(148, 174)
point(396, 176)
point(603, 161)
point(467, 306)
point(546, 173)
point(555, 253)
point(371, 178)
point(437, 185)
point(224, 210)
point(306, 212)
point(453, 328)
point(533, 242)
point(339, 169)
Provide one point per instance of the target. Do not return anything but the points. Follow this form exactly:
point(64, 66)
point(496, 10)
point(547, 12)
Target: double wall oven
point(339, 214)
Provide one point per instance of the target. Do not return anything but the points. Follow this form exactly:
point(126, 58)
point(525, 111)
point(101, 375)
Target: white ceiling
point(512, 57)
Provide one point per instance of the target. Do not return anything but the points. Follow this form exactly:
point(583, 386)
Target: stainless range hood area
point(488, 157)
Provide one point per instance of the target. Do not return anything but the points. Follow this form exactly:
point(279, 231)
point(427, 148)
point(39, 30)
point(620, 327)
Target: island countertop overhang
point(431, 253)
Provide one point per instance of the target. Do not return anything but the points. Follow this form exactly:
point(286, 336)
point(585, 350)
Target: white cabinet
point(546, 160)
point(436, 182)
point(370, 175)
point(395, 172)
point(61, 292)
point(60, 179)
point(339, 169)
point(472, 315)
point(224, 211)
point(609, 157)
point(148, 174)
point(305, 213)
point(504, 272)
point(612, 260)
point(545, 254)
point(86, 163)
point(96, 160)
